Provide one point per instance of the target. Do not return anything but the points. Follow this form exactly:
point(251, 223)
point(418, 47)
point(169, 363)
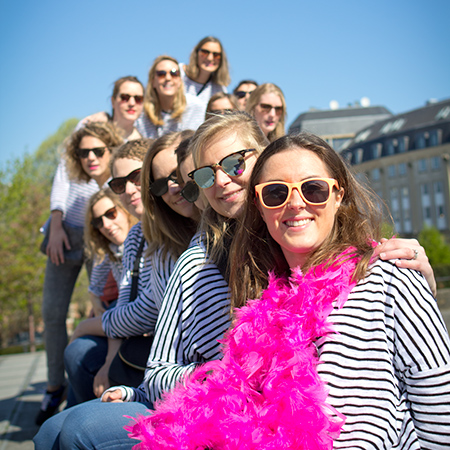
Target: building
point(406, 160)
point(339, 126)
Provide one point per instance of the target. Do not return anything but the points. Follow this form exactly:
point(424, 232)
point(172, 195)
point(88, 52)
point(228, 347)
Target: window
point(402, 169)
point(403, 144)
point(437, 187)
point(435, 162)
point(376, 174)
point(391, 145)
point(422, 165)
point(424, 189)
point(375, 150)
point(435, 137)
point(392, 173)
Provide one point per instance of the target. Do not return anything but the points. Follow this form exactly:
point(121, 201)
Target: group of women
point(340, 348)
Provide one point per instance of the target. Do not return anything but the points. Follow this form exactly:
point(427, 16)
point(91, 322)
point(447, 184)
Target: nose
point(132, 101)
point(222, 179)
point(107, 222)
point(296, 201)
point(91, 156)
point(130, 188)
point(174, 187)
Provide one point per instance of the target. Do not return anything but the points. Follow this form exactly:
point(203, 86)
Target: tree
point(433, 242)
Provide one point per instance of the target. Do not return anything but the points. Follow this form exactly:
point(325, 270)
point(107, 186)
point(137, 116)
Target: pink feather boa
point(265, 393)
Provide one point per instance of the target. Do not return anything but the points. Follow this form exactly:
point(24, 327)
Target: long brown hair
point(152, 104)
point(357, 223)
point(221, 76)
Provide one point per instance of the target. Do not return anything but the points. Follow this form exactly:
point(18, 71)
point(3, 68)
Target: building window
point(435, 137)
point(375, 150)
point(402, 169)
point(422, 165)
point(424, 189)
point(403, 144)
point(435, 162)
point(406, 210)
point(392, 173)
point(391, 145)
point(437, 187)
point(376, 174)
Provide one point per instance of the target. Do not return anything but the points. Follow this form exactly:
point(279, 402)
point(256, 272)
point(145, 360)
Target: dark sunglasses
point(190, 192)
point(111, 214)
point(84, 152)
point(316, 191)
point(233, 165)
point(267, 108)
point(174, 73)
point(117, 185)
point(137, 98)
point(221, 111)
point(160, 186)
point(242, 94)
point(206, 53)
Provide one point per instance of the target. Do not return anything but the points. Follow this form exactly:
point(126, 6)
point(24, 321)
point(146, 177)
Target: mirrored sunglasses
point(205, 53)
point(233, 165)
point(190, 191)
point(118, 184)
point(160, 186)
point(126, 97)
point(174, 73)
point(315, 191)
point(267, 108)
point(84, 152)
point(111, 214)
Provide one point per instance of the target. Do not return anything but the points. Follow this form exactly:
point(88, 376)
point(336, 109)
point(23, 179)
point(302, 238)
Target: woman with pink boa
point(340, 349)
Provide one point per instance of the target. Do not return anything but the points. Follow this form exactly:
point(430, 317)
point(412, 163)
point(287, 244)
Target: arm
point(91, 326)
point(404, 250)
point(57, 239)
point(101, 380)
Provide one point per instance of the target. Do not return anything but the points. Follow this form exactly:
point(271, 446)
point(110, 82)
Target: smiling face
point(115, 230)
point(265, 113)
point(97, 167)
point(128, 110)
point(209, 57)
point(167, 85)
point(164, 163)
point(299, 228)
point(227, 195)
point(131, 198)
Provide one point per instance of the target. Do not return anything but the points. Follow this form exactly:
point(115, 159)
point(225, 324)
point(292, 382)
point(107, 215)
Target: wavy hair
point(357, 223)
point(97, 245)
point(136, 149)
point(162, 226)
point(254, 99)
point(221, 76)
point(104, 131)
point(219, 95)
point(152, 103)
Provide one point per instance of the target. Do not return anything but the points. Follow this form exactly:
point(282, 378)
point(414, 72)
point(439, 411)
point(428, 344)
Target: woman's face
point(131, 198)
point(220, 105)
point(268, 112)
point(209, 56)
point(227, 195)
point(97, 167)
point(167, 84)
point(163, 164)
point(115, 230)
point(125, 105)
point(299, 228)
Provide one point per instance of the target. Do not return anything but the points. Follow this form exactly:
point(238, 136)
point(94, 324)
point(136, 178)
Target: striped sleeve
point(194, 316)
point(99, 276)
point(387, 367)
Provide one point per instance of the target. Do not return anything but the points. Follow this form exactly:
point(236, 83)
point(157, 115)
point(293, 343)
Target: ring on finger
point(416, 253)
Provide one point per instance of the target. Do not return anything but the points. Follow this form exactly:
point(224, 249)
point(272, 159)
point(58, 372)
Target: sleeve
point(99, 276)
point(60, 189)
point(193, 318)
point(422, 357)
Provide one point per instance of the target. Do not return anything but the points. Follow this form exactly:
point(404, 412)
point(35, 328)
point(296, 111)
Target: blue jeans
point(91, 425)
point(83, 358)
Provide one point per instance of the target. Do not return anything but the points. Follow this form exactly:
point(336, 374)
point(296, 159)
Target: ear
point(339, 197)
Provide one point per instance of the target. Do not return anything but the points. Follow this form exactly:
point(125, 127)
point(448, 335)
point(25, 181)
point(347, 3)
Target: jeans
point(83, 358)
point(92, 425)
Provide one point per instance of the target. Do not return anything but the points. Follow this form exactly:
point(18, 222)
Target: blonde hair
point(162, 226)
point(96, 244)
point(255, 98)
point(221, 76)
point(152, 103)
point(214, 225)
point(104, 131)
point(357, 224)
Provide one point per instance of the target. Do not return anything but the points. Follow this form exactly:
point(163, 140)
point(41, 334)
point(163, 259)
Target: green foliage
point(433, 242)
point(25, 187)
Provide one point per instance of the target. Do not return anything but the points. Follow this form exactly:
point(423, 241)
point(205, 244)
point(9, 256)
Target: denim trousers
point(83, 358)
point(92, 425)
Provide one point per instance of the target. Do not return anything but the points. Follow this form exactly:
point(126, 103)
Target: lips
point(231, 195)
point(291, 223)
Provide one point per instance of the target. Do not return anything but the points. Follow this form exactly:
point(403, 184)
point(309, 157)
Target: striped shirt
point(139, 316)
point(100, 272)
point(193, 116)
point(71, 197)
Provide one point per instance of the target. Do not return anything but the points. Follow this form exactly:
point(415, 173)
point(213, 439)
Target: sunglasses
point(233, 165)
point(190, 192)
point(118, 185)
point(315, 191)
point(84, 152)
point(137, 98)
point(174, 73)
point(111, 214)
point(242, 94)
point(160, 186)
point(205, 53)
point(267, 108)
point(221, 111)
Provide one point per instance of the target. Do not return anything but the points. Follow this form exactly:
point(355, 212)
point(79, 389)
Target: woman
point(166, 107)
point(85, 170)
point(207, 72)
point(221, 103)
point(384, 354)
point(267, 105)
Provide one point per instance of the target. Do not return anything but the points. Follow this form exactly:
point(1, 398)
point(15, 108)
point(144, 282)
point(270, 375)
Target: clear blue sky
point(59, 58)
